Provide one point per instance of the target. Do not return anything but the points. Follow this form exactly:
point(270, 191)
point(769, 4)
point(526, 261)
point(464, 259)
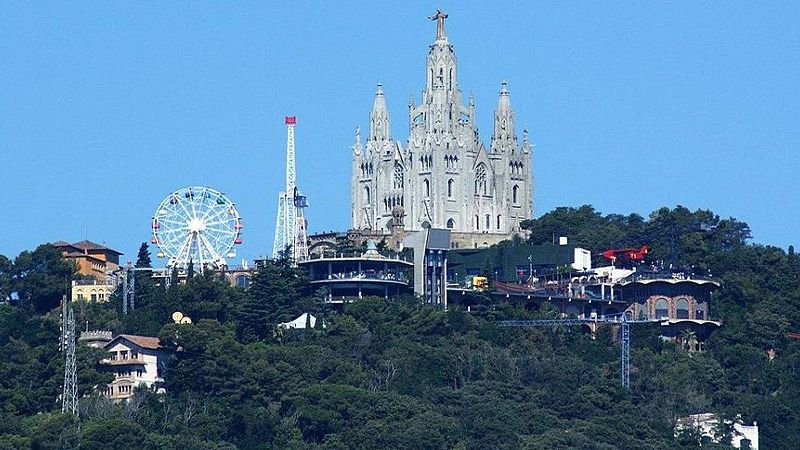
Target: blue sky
point(107, 107)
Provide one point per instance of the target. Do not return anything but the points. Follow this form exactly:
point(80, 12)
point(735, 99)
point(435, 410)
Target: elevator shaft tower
point(291, 225)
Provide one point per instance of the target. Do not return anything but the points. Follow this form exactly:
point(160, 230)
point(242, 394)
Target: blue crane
point(617, 319)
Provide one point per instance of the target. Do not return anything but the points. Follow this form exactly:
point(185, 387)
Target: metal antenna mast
point(621, 320)
point(69, 397)
point(290, 226)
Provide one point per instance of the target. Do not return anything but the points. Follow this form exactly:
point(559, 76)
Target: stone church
point(443, 176)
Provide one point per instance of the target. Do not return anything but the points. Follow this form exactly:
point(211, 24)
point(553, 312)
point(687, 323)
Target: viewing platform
point(350, 276)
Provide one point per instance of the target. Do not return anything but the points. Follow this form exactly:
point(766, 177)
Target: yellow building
point(91, 291)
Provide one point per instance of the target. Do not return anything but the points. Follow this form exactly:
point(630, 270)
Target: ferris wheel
point(197, 225)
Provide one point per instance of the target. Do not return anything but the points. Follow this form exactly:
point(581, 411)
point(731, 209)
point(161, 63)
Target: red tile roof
point(89, 245)
point(152, 343)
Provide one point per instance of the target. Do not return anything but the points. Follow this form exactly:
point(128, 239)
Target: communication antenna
point(69, 397)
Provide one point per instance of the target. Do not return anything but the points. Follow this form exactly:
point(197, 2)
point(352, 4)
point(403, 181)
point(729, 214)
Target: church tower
point(443, 176)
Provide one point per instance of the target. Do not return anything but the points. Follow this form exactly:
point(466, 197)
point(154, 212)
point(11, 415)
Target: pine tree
point(143, 258)
point(276, 295)
point(144, 278)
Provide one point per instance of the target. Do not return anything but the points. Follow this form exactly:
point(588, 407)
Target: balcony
point(123, 362)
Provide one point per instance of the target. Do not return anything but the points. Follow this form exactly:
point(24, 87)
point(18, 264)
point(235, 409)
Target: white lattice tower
point(286, 222)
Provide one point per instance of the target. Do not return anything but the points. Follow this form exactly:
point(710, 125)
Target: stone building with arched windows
point(679, 302)
point(443, 176)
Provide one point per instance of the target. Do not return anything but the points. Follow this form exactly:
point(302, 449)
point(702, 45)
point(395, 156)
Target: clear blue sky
point(106, 107)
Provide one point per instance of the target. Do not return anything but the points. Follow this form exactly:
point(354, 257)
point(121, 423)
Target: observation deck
point(349, 276)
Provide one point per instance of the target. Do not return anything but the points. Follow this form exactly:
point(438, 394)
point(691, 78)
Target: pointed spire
point(504, 102)
point(472, 117)
point(503, 120)
point(357, 145)
point(526, 142)
point(379, 127)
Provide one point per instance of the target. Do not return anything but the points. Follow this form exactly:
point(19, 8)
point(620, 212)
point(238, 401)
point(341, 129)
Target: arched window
point(450, 183)
point(427, 188)
point(480, 179)
point(398, 175)
point(498, 221)
point(242, 281)
point(662, 309)
point(488, 221)
point(682, 309)
point(477, 223)
point(367, 197)
point(514, 193)
point(451, 223)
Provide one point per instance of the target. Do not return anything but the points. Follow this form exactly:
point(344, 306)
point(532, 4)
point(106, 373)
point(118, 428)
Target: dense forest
point(398, 374)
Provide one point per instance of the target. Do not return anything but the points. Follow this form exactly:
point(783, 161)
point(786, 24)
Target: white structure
point(135, 361)
point(291, 225)
point(198, 226)
point(444, 176)
point(744, 436)
point(300, 322)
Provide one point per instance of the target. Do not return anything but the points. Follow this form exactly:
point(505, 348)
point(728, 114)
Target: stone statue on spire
point(439, 18)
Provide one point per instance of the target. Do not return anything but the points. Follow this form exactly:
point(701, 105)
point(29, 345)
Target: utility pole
point(69, 397)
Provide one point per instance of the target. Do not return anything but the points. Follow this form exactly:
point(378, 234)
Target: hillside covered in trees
point(399, 374)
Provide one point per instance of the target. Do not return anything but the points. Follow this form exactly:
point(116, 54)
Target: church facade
point(443, 176)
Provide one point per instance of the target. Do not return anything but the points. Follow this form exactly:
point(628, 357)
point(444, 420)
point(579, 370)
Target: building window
point(477, 223)
point(488, 221)
point(427, 185)
point(94, 297)
point(242, 281)
point(514, 193)
point(498, 222)
point(662, 309)
point(139, 372)
point(450, 187)
point(80, 296)
point(480, 179)
point(682, 309)
point(451, 223)
point(367, 197)
point(398, 176)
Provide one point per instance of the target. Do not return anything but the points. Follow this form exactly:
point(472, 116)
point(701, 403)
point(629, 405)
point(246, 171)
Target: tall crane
point(615, 319)
point(290, 227)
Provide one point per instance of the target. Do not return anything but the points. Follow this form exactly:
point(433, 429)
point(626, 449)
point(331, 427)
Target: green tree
point(42, 277)
point(277, 294)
